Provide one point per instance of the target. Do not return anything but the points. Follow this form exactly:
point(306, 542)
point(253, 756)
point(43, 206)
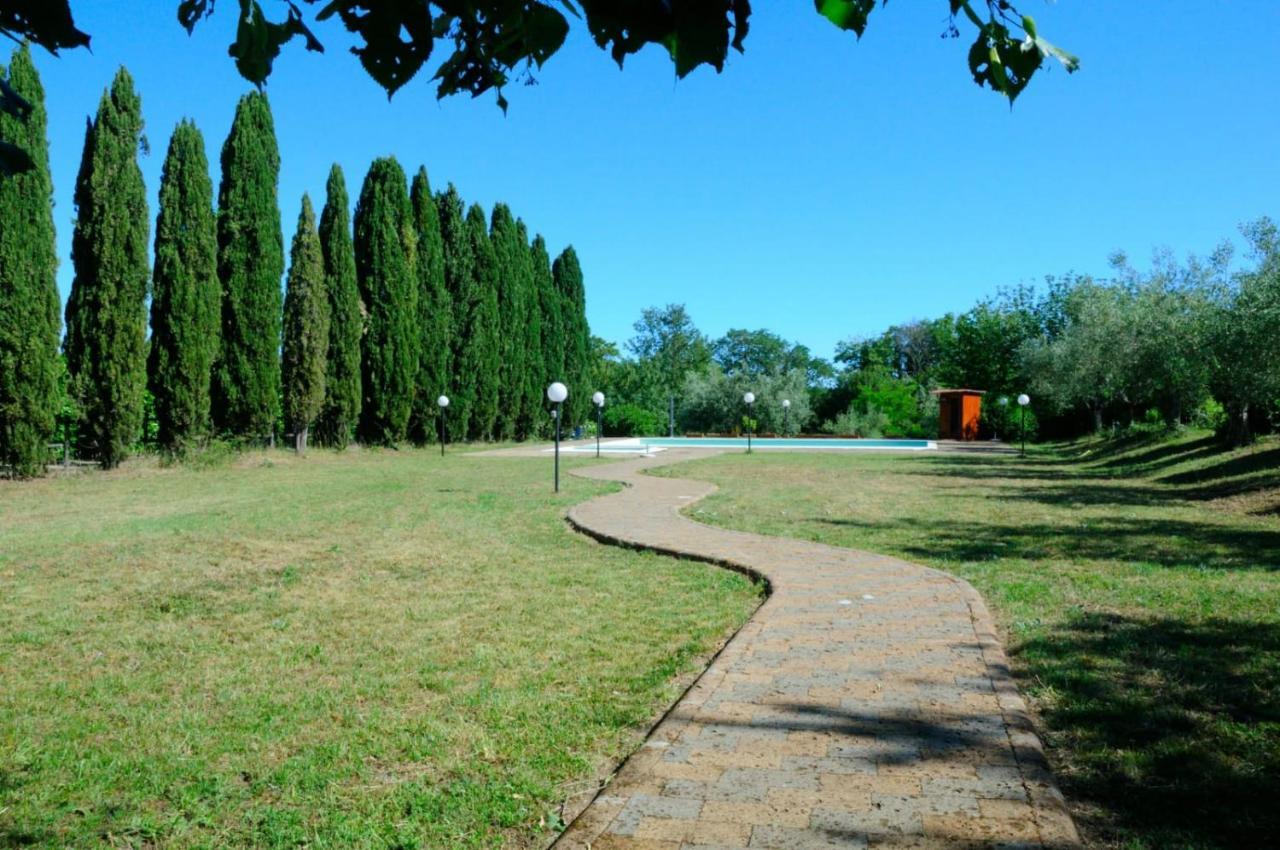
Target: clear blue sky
point(821, 187)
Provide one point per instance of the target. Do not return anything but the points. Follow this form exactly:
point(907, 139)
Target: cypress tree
point(386, 269)
point(30, 324)
point(342, 393)
point(530, 331)
point(512, 267)
point(459, 277)
point(107, 311)
point(567, 272)
point(434, 312)
point(246, 388)
point(185, 296)
point(481, 353)
point(552, 339)
point(306, 329)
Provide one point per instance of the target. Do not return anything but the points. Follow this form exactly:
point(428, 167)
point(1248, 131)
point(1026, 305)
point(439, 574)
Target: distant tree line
point(1196, 342)
point(416, 296)
point(674, 376)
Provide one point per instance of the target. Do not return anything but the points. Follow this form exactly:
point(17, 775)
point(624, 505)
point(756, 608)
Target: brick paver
point(866, 704)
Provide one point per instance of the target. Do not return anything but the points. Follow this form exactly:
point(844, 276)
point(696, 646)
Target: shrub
point(631, 420)
point(998, 420)
point(1210, 414)
point(712, 402)
point(907, 408)
point(871, 423)
point(218, 454)
point(1016, 425)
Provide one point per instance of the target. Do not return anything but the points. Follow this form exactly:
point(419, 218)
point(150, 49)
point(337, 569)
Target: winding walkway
point(866, 704)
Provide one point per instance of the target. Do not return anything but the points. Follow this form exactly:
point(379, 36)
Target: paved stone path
point(866, 704)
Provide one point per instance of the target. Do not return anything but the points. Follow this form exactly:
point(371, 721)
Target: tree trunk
point(1097, 418)
point(300, 440)
point(1236, 430)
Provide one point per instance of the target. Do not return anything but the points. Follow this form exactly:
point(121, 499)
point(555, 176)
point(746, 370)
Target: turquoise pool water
point(779, 443)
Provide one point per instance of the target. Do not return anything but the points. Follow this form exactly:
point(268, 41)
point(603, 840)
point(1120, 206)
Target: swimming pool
point(650, 444)
point(782, 443)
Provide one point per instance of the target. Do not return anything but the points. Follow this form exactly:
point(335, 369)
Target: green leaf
point(999, 61)
point(701, 36)
point(1068, 60)
point(847, 14)
point(258, 41)
point(545, 30)
point(191, 11)
point(47, 23)
point(398, 36)
point(694, 32)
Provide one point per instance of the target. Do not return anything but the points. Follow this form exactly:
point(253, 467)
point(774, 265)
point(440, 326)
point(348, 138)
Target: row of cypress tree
point(418, 296)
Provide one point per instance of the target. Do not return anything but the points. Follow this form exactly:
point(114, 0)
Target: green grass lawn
point(380, 649)
point(1138, 587)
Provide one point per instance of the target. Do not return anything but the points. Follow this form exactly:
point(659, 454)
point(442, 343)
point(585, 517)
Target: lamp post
point(1023, 401)
point(749, 398)
point(786, 411)
point(597, 398)
point(556, 394)
point(443, 404)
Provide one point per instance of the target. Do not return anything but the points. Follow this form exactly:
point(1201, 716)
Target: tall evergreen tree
point(386, 269)
point(30, 324)
point(107, 309)
point(435, 312)
point(246, 387)
point(481, 354)
point(512, 286)
point(552, 330)
point(342, 393)
point(185, 296)
point(306, 329)
point(567, 272)
point(459, 277)
point(530, 332)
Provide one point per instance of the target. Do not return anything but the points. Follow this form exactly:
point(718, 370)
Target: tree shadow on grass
point(1123, 444)
point(1171, 728)
point(1112, 464)
point(1267, 461)
point(1010, 468)
point(1163, 453)
point(13, 834)
point(1167, 542)
point(1234, 487)
point(1103, 493)
point(19, 838)
point(1097, 492)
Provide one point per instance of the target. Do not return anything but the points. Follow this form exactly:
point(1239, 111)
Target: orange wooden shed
point(958, 413)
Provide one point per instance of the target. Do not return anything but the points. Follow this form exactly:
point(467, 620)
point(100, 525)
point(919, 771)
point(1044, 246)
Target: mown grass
point(1138, 587)
point(380, 649)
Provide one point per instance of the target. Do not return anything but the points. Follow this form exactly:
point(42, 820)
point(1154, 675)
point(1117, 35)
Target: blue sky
point(822, 187)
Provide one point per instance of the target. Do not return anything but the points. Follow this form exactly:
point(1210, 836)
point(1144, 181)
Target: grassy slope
point(1138, 585)
point(378, 649)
